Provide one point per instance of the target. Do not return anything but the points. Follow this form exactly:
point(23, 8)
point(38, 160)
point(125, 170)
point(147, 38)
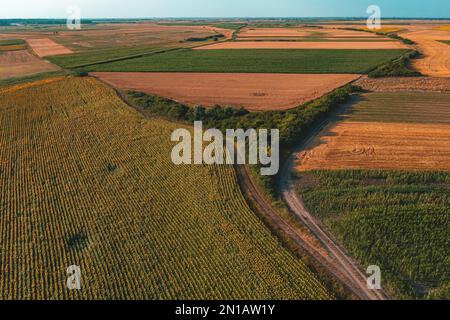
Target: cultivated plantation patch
point(255, 92)
point(89, 181)
point(256, 61)
point(22, 63)
point(304, 45)
point(397, 220)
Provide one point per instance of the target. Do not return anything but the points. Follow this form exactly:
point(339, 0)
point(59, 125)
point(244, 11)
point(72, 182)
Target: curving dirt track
point(335, 261)
point(341, 260)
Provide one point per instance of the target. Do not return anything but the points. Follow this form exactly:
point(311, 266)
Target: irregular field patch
point(87, 180)
point(436, 55)
point(397, 220)
point(376, 145)
point(396, 84)
point(302, 32)
point(22, 63)
point(134, 35)
point(409, 107)
point(255, 92)
point(400, 130)
point(46, 47)
point(303, 45)
point(256, 61)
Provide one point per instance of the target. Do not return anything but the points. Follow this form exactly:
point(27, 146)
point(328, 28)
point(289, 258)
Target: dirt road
point(258, 200)
point(328, 253)
point(342, 261)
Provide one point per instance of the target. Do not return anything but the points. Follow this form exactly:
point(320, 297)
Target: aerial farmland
point(89, 118)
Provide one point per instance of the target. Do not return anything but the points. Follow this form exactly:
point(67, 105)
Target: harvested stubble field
point(374, 145)
point(435, 61)
point(398, 220)
point(386, 131)
point(255, 61)
point(87, 180)
point(255, 92)
point(303, 32)
point(45, 47)
point(22, 63)
point(365, 45)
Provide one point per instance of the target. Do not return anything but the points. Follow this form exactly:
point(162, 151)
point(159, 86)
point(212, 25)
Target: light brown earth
point(45, 47)
point(255, 92)
point(22, 63)
point(303, 45)
point(375, 145)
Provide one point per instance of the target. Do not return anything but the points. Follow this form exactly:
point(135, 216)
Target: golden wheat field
point(86, 180)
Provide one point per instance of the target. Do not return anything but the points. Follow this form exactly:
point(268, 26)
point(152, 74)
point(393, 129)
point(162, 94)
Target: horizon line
point(231, 18)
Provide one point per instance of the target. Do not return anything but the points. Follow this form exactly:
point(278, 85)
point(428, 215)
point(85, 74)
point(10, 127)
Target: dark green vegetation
point(405, 107)
point(399, 221)
point(12, 42)
point(446, 41)
point(258, 60)
point(398, 67)
point(215, 37)
point(293, 124)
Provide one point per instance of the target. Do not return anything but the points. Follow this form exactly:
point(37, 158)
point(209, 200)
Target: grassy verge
point(256, 61)
point(396, 220)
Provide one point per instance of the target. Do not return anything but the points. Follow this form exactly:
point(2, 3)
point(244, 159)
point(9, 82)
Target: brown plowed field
point(255, 92)
point(46, 47)
point(303, 45)
point(22, 63)
point(374, 145)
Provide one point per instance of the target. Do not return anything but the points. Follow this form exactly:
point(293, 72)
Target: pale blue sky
point(222, 8)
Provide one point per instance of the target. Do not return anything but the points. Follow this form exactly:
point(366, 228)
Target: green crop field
point(11, 42)
point(406, 107)
point(100, 56)
point(399, 221)
point(259, 60)
point(86, 180)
